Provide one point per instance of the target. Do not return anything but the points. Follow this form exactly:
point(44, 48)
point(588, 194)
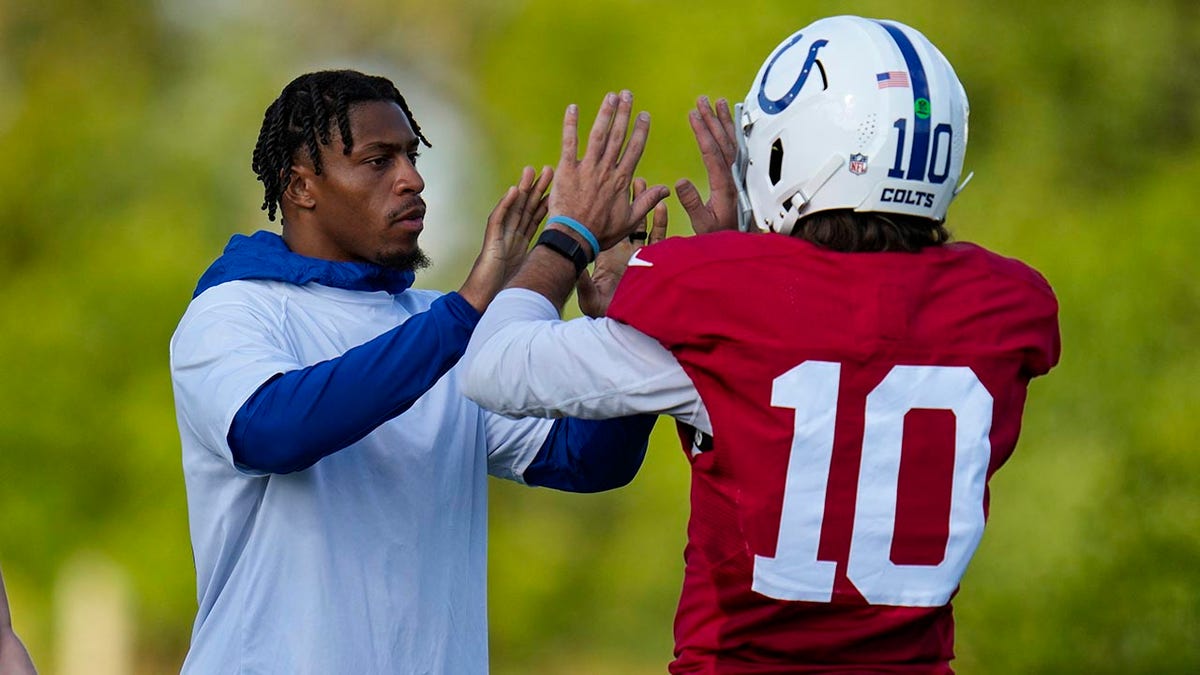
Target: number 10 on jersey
point(811, 389)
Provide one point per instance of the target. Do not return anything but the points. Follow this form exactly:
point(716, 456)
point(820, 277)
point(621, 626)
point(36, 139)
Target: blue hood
point(263, 255)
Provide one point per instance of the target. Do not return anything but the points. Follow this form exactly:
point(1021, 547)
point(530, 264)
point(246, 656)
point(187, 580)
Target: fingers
point(595, 188)
point(539, 190)
point(500, 211)
point(522, 198)
point(725, 116)
point(526, 181)
point(689, 198)
point(720, 127)
point(570, 137)
point(539, 214)
point(523, 186)
point(658, 231)
point(538, 205)
point(523, 206)
point(646, 201)
point(720, 173)
point(544, 181)
point(606, 142)
point(639, 186)
point(620, 126)
point(693, 205)
point(709, 148)
point(597, 139)
point(637, 144)
point(638, 235)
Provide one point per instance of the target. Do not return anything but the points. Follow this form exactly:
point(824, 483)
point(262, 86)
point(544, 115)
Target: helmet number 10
point(811, 389)
point(939, 153)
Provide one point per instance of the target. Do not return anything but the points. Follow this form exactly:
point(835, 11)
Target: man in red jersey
point(846, 381)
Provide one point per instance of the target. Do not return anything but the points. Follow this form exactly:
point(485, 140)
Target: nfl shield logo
point(858, 164)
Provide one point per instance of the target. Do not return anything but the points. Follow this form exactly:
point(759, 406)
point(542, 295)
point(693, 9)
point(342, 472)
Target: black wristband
point(566, 246)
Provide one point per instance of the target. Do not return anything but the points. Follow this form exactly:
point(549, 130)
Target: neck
point(303, 239)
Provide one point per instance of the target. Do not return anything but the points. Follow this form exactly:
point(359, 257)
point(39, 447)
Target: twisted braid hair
point(303, 115)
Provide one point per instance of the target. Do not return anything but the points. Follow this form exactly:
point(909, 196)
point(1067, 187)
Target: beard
point(403, 261)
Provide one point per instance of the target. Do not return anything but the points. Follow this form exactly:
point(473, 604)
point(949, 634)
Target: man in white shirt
point(336, 475)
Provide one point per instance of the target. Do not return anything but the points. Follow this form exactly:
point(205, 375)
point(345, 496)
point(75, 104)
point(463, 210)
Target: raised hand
point(716, 135)
point(596, 290)
point(594, 190)
point(506, 240)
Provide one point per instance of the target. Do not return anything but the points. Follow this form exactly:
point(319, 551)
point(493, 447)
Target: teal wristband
point(583, 232)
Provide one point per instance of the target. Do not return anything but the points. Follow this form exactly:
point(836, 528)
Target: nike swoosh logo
point(635, 261)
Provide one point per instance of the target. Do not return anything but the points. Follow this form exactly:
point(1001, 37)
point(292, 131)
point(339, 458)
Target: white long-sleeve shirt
point(524, 361)
point(374, 559)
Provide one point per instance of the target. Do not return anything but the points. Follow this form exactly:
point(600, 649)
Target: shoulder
point(232, 308)
point(702, 257)
point(692, 275)
point(719, 246)
point(1001, 267)
point(253, 297)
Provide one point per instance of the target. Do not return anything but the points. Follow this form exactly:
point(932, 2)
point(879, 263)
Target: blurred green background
point(126, 130)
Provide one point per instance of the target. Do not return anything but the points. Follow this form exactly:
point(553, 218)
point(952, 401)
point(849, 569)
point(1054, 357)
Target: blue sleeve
point(298, 417)
point(591, 455)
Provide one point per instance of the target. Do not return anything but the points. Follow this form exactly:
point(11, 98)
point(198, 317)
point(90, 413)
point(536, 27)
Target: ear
point(299, 190)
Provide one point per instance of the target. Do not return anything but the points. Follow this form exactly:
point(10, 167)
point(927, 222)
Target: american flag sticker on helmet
point(892, 78)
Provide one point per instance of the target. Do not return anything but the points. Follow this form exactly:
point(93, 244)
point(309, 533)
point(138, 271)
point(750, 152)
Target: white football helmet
point(850, 113)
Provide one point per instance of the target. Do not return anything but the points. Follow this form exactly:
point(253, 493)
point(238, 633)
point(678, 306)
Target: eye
point(412, 157)
point(380, 161)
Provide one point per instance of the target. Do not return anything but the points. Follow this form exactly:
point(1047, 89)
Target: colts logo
point(778, 105)
point(858, 164)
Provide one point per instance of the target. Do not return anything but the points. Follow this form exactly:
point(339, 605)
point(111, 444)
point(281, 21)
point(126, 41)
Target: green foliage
point(126, 129)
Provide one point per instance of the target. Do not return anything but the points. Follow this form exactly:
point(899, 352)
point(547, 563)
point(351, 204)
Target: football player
point(845, 379)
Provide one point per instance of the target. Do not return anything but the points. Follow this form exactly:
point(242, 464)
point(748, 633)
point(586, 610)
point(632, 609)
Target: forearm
point(297, 418)
point(522, 361)
point(548, 273)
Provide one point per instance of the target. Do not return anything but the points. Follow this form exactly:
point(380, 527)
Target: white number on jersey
point(811, 389)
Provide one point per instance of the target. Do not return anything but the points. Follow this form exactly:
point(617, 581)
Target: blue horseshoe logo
point(776, 106)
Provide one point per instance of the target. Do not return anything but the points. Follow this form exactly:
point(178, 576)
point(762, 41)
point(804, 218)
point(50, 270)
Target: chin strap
point(809, 190)
point(741, 164)
point(963, 185)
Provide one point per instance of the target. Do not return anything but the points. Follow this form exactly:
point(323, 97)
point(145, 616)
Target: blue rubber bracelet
point(583, 232)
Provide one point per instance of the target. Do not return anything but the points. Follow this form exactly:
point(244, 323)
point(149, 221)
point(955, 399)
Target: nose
point(408, 179)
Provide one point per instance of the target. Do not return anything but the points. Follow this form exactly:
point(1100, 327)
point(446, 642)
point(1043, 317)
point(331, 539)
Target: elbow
point(473, 381)
point(268, 448)
point(603, 477)
point(481, 381)
point(265, 457)
point(620, 475)
point(278, 466)
point(591, 456)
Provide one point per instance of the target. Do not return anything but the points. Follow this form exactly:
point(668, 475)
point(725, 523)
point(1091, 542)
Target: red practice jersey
point(859, 404)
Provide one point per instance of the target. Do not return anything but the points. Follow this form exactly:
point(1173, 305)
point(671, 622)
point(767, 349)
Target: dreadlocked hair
point(303, 116)
point(849, 231)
